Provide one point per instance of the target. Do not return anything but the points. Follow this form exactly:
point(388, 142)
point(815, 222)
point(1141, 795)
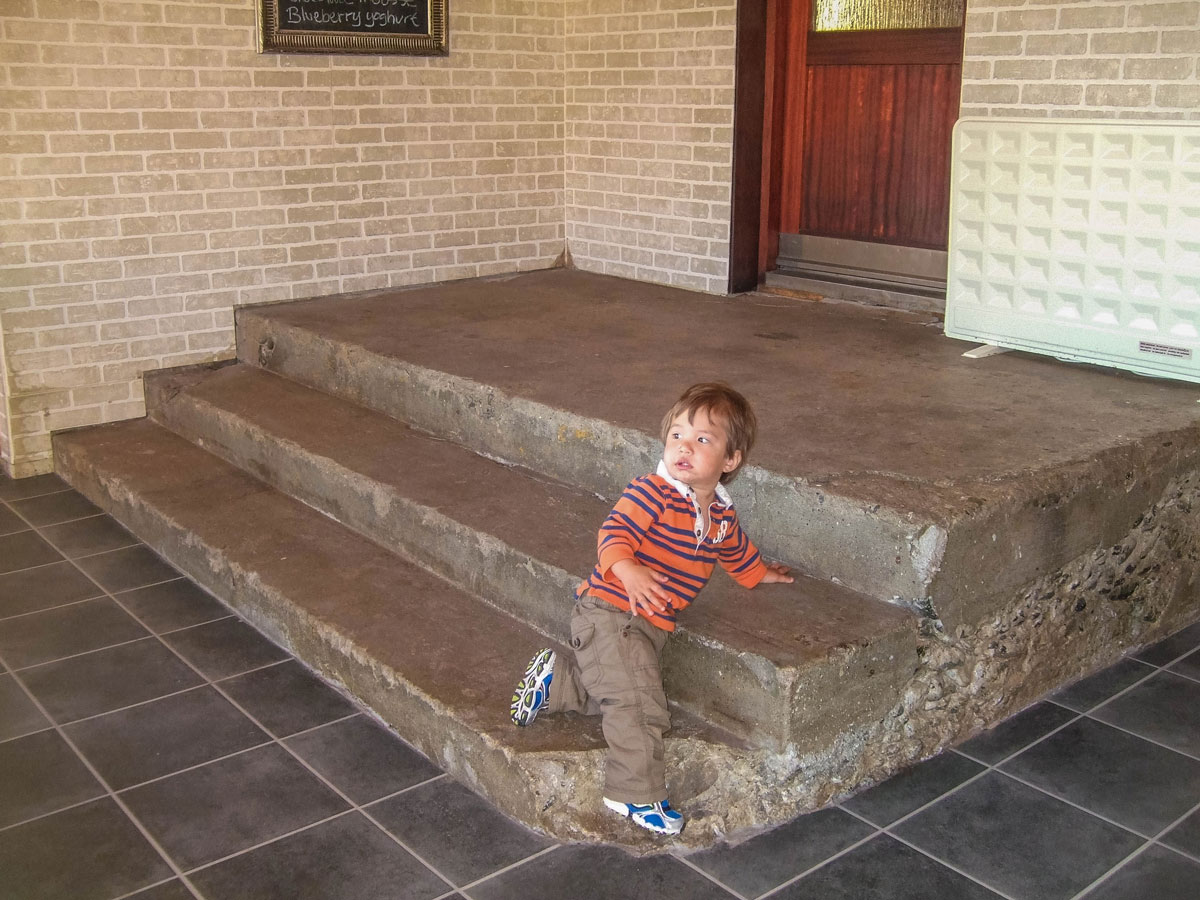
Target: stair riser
point(732, 689)
point(868, 548)
point(558, 791)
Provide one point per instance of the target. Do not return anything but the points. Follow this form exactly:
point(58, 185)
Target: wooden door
point(863, 135)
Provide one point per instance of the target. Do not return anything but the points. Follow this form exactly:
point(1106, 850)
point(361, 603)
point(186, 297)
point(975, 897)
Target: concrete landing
point(885, 459)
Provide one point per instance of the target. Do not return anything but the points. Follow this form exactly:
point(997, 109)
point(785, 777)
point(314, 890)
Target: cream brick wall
point(649, 113)
point(1082, 59)
point(157, 172)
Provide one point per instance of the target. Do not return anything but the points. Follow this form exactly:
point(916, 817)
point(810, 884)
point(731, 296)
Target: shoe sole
point(622, 809)
point(521, 711)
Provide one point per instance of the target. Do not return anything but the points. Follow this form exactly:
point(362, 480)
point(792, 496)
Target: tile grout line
point(953, 868)
point(1148, 740)
point(137, 823)
point(844, 851)
point(990, 767)
point(1152, 842)
point(516, 865)
point(238, 706)
point(695, 868)
point(288, 750)
point(150, 839)
point(46, 609)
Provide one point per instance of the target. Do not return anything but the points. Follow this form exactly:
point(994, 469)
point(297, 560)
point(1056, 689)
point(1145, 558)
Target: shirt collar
point(722, 494)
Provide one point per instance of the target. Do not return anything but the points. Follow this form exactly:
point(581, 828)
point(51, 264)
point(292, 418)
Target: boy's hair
point(724, 404)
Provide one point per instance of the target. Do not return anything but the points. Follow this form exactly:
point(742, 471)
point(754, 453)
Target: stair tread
point(446, 644)
point(792, 625)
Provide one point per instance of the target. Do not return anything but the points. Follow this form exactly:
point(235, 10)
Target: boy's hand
point(643, 586)
point(777, 574)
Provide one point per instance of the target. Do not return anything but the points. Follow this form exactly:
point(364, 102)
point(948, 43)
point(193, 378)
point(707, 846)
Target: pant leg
point(617, 667)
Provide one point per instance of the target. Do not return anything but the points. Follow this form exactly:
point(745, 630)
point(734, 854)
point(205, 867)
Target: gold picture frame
point(407, 27)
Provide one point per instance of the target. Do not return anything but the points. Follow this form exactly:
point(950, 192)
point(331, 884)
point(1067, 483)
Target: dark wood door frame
point(749, 109)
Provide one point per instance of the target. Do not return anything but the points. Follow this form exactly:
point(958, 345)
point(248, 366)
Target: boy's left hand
point(777, 574)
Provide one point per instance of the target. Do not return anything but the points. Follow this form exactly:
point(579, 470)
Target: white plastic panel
point(1079, 239)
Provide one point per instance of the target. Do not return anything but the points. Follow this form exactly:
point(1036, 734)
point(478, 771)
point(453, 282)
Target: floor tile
point(1189, 666)
point(1134, 783)
point(10, 522)
point(287, 698)
point(40, 773)
point(912, 789)
point(345, 859)
point(44, 587)
point(363, 759)
point(766, 861)
point(133, 745)
point(1018, 840)
point(1157, 872)
point(884, 869)
point(1186, 835)
point(42, 860)
point(1095, 689)
point(461, 835)
point(20, 488)
point(124, 570)
point(25, 550)
point(65, 631)
point(85, 537)
point(205, 814)
point(1016, 732)
point(597, 872)
point(224, 648)
point(1168, 650)
point(173, 605)
point(109, 679)
point(50, 509)
point(18, 714)
point(1165, 708)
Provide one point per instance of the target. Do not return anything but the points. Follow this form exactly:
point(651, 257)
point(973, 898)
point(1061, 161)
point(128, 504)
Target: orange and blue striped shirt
point(656, 523)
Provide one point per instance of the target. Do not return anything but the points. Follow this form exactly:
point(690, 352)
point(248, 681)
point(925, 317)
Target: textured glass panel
point(871, 15)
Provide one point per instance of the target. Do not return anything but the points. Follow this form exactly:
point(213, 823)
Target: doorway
point(859, 102)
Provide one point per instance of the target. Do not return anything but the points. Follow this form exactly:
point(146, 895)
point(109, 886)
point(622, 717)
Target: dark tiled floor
point(154, 746)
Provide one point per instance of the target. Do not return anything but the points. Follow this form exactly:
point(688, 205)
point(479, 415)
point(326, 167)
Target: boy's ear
point(732, 461)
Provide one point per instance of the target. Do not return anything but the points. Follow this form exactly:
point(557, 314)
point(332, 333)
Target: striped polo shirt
point(657, 523)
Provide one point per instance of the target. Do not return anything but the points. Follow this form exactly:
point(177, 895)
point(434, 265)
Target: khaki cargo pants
point(616, 674)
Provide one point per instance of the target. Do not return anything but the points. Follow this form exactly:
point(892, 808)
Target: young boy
point(657, 549)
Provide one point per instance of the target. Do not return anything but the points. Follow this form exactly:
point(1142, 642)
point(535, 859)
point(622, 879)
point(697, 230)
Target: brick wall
point(1093, 59)
point(157, 172)
point(649, 113)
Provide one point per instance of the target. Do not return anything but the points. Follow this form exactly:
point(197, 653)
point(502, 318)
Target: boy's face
point(697, 452)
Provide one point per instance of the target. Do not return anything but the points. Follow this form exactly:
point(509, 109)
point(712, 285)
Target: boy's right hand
point(643, 587)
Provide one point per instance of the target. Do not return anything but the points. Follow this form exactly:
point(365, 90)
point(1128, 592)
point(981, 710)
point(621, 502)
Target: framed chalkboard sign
point(413, 27)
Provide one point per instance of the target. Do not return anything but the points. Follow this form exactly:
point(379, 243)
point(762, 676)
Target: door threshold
point(882, 274)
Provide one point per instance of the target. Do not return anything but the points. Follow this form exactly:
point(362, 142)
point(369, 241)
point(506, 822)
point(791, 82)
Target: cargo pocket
point(583, 639)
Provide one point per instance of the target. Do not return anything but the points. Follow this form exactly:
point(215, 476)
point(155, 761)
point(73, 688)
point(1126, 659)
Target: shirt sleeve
point(622, 532)
point(740, 558)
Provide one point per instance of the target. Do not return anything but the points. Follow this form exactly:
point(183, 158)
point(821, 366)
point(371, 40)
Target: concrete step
point(491, 365)
point(432, 661)
point(759, 663)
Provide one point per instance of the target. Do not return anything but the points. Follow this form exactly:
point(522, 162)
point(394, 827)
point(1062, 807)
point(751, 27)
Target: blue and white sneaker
point(533, 691)
point(657, 817)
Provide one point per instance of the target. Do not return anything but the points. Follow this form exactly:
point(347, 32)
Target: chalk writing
point(355, 16)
